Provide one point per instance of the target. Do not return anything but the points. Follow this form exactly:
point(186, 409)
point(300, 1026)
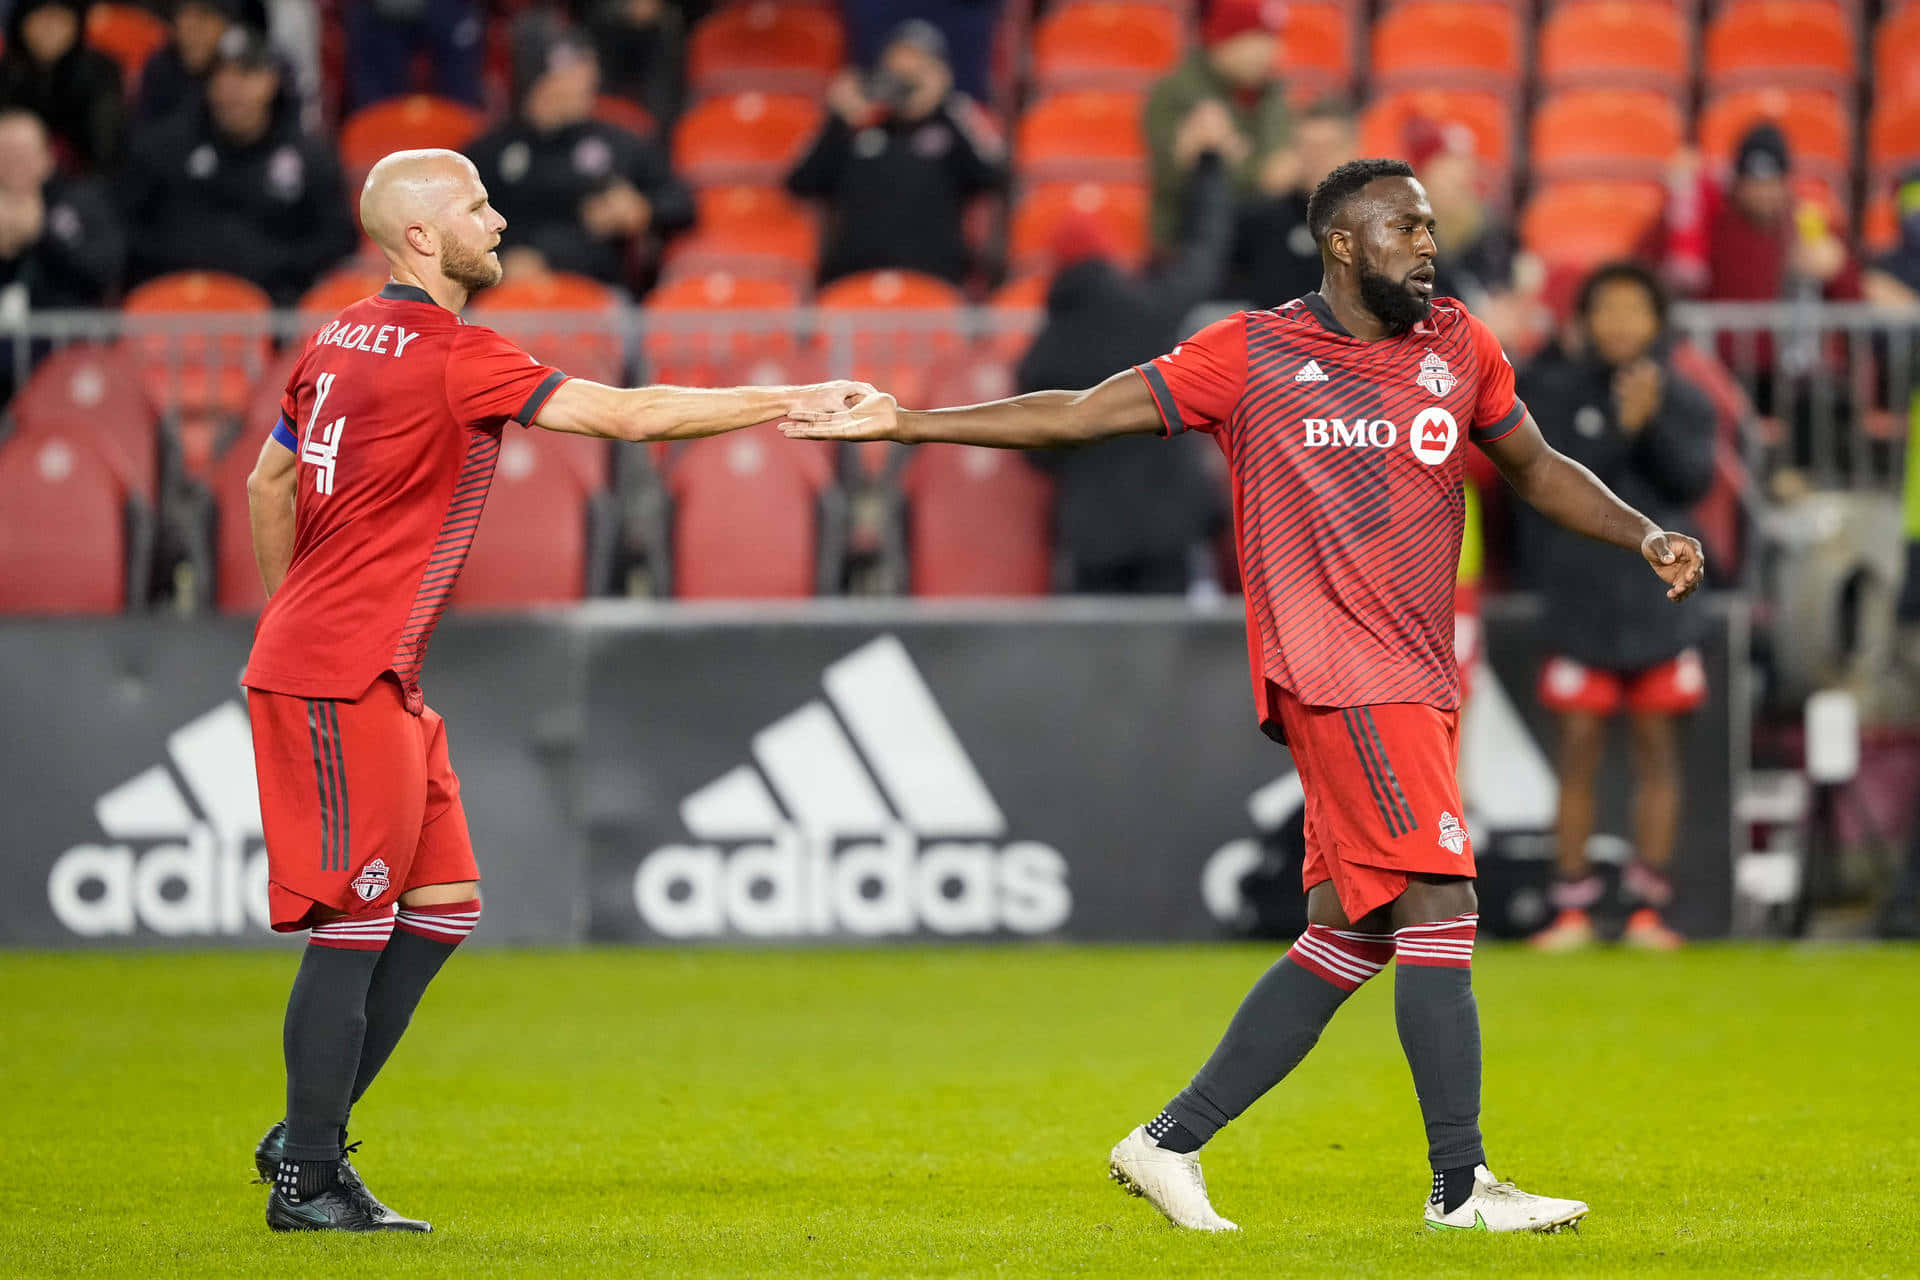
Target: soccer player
point(1343, 416)
point(364, 503)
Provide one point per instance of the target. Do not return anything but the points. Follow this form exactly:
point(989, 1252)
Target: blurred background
point(744, 688)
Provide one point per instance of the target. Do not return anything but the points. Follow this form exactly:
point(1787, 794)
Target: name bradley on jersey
point(366, 337)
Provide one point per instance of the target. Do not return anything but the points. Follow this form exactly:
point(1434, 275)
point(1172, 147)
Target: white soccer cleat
point(1170, 1181)
point(1501, 1206)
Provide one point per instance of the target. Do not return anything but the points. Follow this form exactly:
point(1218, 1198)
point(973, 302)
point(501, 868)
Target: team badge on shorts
point(1453, 836)
point(1435, 376)
point(373, 882)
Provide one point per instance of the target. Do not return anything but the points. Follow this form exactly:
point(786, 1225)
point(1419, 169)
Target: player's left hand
point(823, 400)
point(1678, 559)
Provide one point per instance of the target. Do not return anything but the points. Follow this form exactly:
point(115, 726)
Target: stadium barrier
point(828, 771)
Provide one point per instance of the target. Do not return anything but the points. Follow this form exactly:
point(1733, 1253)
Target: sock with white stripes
point(422, 941)
point(1279, 1021)
point(1440, 1031)
point(326, 1021)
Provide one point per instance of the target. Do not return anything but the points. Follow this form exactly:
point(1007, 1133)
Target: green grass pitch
point(1727, 1111)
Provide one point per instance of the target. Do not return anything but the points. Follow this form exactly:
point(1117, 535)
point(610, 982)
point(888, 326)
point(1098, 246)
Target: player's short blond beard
point(468, 268)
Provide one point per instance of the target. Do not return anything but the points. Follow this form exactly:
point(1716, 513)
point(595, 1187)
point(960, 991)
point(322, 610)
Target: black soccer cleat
point(340, 1207)
point(273, 1146)
point(266, 1162)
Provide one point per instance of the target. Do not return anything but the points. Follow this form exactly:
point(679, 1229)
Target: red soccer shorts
point(359, 802)
point(1674, 687)
point(1383, 802)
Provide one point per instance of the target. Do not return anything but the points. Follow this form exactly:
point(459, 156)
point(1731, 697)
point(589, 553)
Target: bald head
point(428, 212)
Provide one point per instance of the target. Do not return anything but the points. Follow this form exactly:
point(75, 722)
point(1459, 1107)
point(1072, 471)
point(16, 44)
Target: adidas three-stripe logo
point(1310, 372)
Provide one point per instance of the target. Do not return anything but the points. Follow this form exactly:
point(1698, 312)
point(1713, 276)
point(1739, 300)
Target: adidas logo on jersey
point(165, 866)
point(860, 813)
point(1310, 372)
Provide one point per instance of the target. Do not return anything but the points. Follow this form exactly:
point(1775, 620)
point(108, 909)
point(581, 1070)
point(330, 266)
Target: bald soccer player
point(364, 503)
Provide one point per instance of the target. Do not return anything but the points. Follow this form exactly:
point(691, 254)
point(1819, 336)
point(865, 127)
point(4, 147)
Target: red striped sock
point(448, 922)
point(366, 932)
point(1342, 957)
point(1442, 944)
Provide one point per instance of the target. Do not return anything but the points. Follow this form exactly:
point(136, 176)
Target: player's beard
point(470, 269)
point(1395, 305)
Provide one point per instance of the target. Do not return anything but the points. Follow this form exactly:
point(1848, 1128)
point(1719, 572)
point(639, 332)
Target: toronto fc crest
point(373, 882)
point(1453, 836)
point(1435, 376)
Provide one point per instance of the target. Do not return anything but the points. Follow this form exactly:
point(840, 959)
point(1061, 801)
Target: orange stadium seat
point(750, 230)
point(1616, 43)
point(129, 34)
point(745, 522)
point(1780, 42)
point(1896, 55)
point(416, 120)
point(542, 540)
point(889, 328)
point(94, 392)
point(611, 108)
point(587, 344)
point(1017, 309)
point(188, 371)
point(1383, 128)
point(1426, 43)
point(1316, 51)
point(1880, 225)
point(1819, 129)
point(1105, 44)
point(762, 45)
point(695, 336)
point(1120, 206)
point(979, 523)
point(63, 536)
point(1090, 134)
point(1605, 133)
point(1582, 224)
point(340, 289)
point(1893, 138)
point(744, 137)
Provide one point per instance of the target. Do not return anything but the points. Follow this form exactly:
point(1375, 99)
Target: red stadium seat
point(695, 335)
point(744, 138)
point(1896, 56)
point(416, 120)
point(537, 540)
point(584, 341)
point(94, 392)
point(1819, 129)
point(1582, 224)
point(191, 373)
point(1629, 44)
point(760, 45)
point(1093, 135)
point(1120, 206)
point(611, 108)
point(129, 34)
point(1606, 134)
point(758, 231)
point(745, 520)
point(236, 574)
point(1488, 116)
point(1316, 52)
point(979, 523)
point(1105, 44)
point(1442, 43)
point(63, 543)
point(1893, 138)
point(1780, 43)
point(340, 289)
point(890, 328)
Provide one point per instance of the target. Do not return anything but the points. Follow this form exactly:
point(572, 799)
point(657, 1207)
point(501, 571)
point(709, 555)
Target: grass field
point(947, 1112)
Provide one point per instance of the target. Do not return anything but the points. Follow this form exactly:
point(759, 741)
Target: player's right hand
point(875, 416)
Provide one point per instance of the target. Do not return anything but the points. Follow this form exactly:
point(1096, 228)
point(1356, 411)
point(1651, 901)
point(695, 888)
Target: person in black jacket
point(1130, 511)
point(578, 194)
point(48, 69)
point(175, 75)
point(897, 161)
point(233, 184)
point(1616, 405)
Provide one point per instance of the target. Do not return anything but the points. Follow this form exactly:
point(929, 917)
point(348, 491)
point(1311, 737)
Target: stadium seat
point(546, 536)
point(1092, 134)
point(338, 290)
point(187, 371)
point(1605, 134)
point(63, 527)
point(1105, 44)
point(890, 328)
point(587, 341)
point(746, 518)
point(1896, 55)
point(94, 391)
point(1780, 43)
point(744, 138)
point(755, 231)
point(694, 334)
point(764, 46)
point(1316, 52)
point(1015, 312)
point(416, 120)
point(1629, 44)
point(1819, 129)
point(1893, 138)
point(129, 34)
point(1488, 116)
point(1120, 206)
point(1447, 43)
point(1880, 225)
point(236, 574)
point(611, 108)
point(1578, 225)
point(979, 523)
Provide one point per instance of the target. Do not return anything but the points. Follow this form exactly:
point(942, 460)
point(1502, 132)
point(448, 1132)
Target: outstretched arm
point(584, 408)
point(1573, 497)
point(1120, 406)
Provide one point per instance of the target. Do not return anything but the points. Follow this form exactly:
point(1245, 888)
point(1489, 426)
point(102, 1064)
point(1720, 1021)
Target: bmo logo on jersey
point(1432, 436)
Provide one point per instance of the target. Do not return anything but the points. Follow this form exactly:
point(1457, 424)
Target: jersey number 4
point(323, 449)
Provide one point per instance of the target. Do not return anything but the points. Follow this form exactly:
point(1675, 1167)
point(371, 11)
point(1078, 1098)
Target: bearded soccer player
point(364, 503)
point(1343, 417)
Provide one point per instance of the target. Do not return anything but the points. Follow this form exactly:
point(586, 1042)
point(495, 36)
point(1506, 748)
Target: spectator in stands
point(1275, 258)
point(1477, 247)
point(1614, 402)
point(48, 69)
point(967, 25)
point(1231, 73)
point(898, 159)
point(385, 36)
point(1894, 280)
point(1130, 512)
point(175, 75)
point(234, 184)
point(1759, 246)
point(642, 48)
point(579, 195)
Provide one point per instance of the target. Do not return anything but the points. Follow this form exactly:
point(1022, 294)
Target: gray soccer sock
point(326, 1020)
point(1439, 1025)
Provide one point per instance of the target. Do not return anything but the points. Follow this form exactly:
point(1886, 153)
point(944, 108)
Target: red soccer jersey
point(1347, 460)
point(398, 408)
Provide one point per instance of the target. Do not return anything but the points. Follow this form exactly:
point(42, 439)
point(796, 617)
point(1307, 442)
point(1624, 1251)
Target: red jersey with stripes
point(1347, 462)
point(396, 409)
